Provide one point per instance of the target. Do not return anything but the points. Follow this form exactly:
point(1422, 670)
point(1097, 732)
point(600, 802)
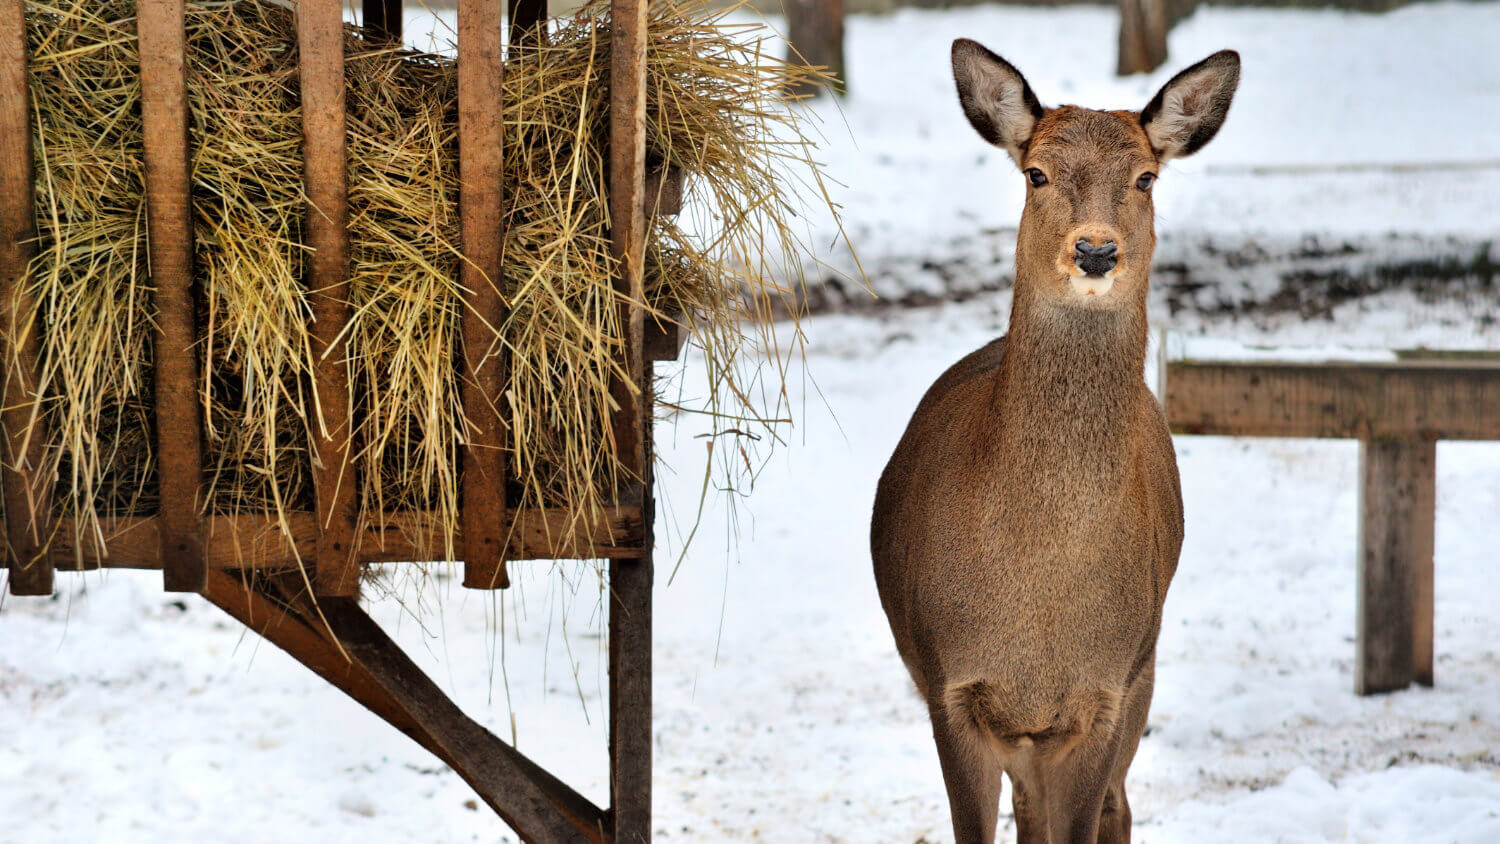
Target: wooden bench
point(1398, 410)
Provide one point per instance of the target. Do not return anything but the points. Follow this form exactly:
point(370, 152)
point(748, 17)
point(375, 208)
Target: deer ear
point(995, 96)
point(1188, 111)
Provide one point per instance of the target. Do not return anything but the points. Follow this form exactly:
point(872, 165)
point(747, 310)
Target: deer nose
point(1095, 260)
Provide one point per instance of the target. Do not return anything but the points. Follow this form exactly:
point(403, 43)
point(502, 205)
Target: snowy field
point(783, 713)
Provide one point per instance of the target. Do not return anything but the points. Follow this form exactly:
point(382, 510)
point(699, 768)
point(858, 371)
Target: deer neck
point(1068, 402)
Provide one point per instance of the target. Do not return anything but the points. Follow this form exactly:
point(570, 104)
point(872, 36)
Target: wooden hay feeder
point(248, 565)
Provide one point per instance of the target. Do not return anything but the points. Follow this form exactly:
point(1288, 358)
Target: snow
point(782, 710)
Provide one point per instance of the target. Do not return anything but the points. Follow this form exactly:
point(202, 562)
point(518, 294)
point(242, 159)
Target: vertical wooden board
point(179, 466)
point(627, 176)
point(1394, 590)
point(320, 44)
point(630, 698)
point(382, 18)
point(481, 210)
point(28, 495)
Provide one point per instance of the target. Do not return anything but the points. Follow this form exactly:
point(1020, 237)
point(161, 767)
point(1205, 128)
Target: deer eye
point(1037, 177)
point(1145, 181)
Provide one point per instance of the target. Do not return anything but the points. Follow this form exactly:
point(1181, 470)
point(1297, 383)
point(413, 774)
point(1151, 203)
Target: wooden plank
point(320, 43)
point(1397, 487)
point(27, 493)
point(169, 218)
point(1396, 400)
point(528, 22)
point(627, 175)
point(382, 19)
point(630, 748)
point(482, 221)
point(258, 542)
point(393, 688)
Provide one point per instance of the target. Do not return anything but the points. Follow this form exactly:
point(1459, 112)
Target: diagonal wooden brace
point(344, 646)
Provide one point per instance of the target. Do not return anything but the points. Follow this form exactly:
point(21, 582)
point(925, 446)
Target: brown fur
point(1029, 522)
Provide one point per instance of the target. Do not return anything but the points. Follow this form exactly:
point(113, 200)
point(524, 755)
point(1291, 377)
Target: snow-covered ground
point(783, 712)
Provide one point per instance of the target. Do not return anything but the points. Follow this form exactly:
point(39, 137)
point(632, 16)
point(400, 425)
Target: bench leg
point(1397, 488)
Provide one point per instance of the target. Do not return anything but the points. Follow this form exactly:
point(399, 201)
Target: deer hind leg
point(971, 772)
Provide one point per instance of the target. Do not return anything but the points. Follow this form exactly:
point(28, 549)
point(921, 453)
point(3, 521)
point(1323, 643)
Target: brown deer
point(1027, 526)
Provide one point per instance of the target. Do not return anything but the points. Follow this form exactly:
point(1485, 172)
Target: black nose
point(1095, 260)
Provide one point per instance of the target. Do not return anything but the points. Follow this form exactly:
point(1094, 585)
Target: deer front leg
point(972, 774)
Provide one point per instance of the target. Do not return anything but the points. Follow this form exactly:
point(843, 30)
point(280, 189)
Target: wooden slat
point(481, 210)
point(178, 412)
point(360, 660)
point(258, 542)
point(528, 22)
point(320, 42)
point(382, 19)
point(27, 493)
point(627, 174)
point(1397, 400)
point(1397, 488)
point(630, 702)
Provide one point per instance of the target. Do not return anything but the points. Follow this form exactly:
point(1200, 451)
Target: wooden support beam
point(258, 542)
point(320, 44)
point(1429, 399)
point(1143, 36)
point(1397, 491)
point(382, 19)
point(348, 649)
point(627, 176)
point(179, 464)
point(482, 220)
point(630, 701)
point(27, 490)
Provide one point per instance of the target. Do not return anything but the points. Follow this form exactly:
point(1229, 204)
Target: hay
point(714, 109)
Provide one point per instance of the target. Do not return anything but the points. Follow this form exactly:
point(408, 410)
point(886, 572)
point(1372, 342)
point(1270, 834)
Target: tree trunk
point(1143, 36)
point(815, 34)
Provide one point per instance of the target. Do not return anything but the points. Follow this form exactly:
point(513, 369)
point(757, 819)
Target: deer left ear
point(1188, 111)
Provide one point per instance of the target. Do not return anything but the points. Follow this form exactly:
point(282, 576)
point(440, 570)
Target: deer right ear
point(996, 99)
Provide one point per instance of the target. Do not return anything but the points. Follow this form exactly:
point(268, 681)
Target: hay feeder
point(252, 566)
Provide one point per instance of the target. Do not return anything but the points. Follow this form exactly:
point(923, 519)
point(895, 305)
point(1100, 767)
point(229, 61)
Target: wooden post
point(815, 34)
point(169, 217)
point(1397, 489)
point(382, 19)
point(1143, 36)
point(27, 490)
point(320, 44)
point(486, 529)
point(630, 580)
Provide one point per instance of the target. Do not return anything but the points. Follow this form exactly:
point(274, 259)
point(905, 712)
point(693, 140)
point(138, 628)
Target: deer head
point(1087, 233)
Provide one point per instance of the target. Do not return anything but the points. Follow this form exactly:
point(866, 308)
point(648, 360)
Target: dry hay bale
point(715, 109)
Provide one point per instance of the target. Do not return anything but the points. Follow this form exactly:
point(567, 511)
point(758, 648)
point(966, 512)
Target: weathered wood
point(662, 192)
point(815, 34)
point(627, 176)
point(528, 22)
point(258, 542)
point(320, 44)
point(179, 466)
point(1457, 400)
point(1397, 487)
point(382, 19)
point(1143, 36)
point(26, 489)
point(664, 339)
point(352, 653)
point(630, 749)
point(482, 220)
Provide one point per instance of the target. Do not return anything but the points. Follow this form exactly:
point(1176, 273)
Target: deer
point(1027, 526)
